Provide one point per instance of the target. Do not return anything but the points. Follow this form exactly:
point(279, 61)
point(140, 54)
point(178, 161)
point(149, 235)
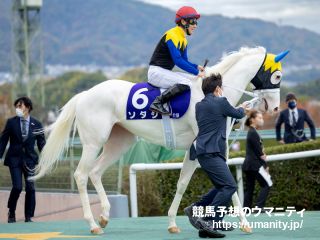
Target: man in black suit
point(21, 157)
point(294, 120)
point(210, 149)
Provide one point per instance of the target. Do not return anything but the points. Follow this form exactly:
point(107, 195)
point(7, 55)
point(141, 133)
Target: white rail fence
point(234, 161)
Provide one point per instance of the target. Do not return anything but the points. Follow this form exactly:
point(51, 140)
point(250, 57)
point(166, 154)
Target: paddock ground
point(156, 228)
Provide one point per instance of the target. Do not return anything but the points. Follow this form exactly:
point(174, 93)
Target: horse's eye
point(276, 77)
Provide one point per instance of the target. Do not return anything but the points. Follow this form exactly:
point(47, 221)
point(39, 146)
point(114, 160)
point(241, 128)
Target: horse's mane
point(227, 61)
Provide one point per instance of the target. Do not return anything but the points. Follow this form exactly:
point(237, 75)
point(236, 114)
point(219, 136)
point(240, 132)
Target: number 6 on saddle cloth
point(143, 94)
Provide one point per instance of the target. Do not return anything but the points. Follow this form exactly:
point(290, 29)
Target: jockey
point(170, 51)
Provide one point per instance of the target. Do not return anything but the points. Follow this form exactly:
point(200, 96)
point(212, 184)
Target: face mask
point(292, 104)
point(19, 112)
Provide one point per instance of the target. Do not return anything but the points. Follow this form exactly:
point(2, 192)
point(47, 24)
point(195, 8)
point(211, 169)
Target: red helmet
point(186, 12)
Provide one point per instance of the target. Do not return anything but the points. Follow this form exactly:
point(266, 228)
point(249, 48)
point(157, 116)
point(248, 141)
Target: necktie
point(24, 129)
point(294, 120)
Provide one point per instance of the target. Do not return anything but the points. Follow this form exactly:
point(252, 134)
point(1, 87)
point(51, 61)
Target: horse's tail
point(58, 139)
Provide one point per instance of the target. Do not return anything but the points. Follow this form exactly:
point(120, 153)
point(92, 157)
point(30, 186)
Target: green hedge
point(296, 183)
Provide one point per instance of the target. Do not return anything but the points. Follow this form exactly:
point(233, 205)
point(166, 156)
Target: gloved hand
point(247, 105)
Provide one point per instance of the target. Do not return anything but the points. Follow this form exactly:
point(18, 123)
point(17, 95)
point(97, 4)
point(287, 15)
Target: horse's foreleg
point(81, 175)
point(184, 179)
point(119, 142)
point(243, 220)
point(235, 198)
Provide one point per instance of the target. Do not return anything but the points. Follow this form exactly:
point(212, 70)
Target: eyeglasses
point(192, 21)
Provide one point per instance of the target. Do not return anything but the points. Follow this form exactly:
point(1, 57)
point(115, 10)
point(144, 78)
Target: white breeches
point(163, 78)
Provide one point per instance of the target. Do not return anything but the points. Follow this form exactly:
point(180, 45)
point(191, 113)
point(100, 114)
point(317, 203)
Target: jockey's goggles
point(192, 21)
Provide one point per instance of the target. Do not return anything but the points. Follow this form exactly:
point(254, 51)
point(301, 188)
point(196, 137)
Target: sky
point(302, 14)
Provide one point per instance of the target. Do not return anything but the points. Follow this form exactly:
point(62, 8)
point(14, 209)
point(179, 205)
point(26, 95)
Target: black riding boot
point(175, 90)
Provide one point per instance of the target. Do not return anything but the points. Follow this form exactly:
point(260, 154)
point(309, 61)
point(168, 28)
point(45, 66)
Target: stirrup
point(158, 107)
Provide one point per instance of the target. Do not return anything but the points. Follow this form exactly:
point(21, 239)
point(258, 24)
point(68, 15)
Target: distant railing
point(268, 134)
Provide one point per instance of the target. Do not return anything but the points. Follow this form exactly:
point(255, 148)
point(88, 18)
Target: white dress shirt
point(296, 114)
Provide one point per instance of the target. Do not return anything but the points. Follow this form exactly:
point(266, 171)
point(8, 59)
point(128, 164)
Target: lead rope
point(251, 103)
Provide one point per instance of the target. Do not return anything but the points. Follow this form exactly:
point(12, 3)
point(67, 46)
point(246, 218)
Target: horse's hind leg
point(89, 154)
point(119, 142)
point(185, 175)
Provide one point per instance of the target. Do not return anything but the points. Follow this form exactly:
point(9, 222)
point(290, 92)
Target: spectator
point(255, 166)
point(294, 119)
point(21, 157)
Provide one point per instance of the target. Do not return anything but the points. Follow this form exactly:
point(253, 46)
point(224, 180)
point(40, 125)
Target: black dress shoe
point(208, 229)
point(222, 226)
point(224, 229)
point(11, 217)
point(28, 220)
point(212, 234)
point(193, 220)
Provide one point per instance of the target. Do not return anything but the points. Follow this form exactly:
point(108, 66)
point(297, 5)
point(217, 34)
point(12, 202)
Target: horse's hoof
point(174, 230)
point(103, 221)
point(246, 229)
point(97, 231)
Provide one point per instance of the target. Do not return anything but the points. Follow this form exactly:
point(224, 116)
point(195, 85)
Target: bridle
point(257, 95)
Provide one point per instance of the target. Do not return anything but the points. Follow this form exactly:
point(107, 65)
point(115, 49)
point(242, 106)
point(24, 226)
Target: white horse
point(99, 115)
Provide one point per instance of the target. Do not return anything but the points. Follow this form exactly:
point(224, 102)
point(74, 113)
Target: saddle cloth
point(143, 94)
